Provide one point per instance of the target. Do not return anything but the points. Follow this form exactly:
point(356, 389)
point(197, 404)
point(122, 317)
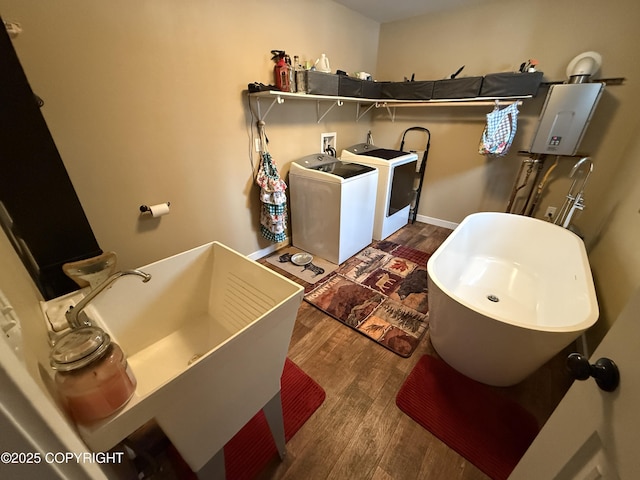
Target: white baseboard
point(436, 221)
point(420, 218)
point(268, 250)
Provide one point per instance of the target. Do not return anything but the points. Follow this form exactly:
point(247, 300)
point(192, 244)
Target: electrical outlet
point(551, 211)
point(328, 142)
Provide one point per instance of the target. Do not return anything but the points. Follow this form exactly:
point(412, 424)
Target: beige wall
point(145, 102)
point(615, 256)
point(498, 36)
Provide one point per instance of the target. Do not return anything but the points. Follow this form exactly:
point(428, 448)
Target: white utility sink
point(207, 339)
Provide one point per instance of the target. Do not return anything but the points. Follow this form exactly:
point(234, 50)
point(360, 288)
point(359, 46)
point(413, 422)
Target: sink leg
point(273, 413)
point(214, 468)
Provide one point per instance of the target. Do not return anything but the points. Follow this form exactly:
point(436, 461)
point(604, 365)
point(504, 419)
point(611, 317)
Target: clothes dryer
point(397, 173)
point(332, 206)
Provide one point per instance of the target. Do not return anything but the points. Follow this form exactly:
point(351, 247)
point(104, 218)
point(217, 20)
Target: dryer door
point(402, 187)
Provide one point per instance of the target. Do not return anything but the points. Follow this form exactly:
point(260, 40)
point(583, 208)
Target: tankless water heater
point(564, 118)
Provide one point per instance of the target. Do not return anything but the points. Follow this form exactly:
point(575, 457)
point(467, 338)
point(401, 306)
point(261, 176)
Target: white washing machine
point(397, 173)
point(332, 206)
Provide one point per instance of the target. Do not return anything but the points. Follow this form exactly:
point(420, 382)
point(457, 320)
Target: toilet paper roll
point(159, 209)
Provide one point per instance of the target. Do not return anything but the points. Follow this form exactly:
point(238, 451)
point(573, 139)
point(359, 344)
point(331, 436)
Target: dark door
point(39, 209)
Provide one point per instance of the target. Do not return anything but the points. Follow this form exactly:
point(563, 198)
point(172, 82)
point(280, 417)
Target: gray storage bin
point(465, 87)
point(420, 90)
point(388, 89)
point(349, 86)
point(319, 83)
point(509, 84)
point(371, 89)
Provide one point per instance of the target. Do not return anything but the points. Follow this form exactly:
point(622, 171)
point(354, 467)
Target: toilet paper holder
point(147, 209)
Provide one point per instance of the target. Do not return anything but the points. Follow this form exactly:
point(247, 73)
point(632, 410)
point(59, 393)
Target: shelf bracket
point(278, 99)
point(360, 114)
point(339, 103)
point(390, 112)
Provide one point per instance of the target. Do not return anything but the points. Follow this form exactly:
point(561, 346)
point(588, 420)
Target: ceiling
point(385, 11)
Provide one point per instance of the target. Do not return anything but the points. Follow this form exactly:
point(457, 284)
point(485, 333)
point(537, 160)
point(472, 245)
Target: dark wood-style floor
point(359, 433)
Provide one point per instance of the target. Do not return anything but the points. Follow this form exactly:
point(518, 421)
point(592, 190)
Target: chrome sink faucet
point(73, 312)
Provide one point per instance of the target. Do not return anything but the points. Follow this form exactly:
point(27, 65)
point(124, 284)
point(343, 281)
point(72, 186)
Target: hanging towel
point(273, 215)
point(500, 131)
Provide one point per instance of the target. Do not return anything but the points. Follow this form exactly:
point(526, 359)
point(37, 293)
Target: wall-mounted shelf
point(364, 105)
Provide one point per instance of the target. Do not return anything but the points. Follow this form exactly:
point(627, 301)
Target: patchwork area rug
point(382, 293)
point(317, 270)
point(252, 448)
point(489, 430)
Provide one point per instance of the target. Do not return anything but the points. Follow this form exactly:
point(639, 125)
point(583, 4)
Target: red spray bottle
point(281, 70)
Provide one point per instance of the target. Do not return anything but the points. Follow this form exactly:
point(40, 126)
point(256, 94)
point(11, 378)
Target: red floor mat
point(251, 449)
point(487, 429)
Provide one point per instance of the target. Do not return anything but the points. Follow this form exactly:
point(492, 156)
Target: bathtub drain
point(493, 298)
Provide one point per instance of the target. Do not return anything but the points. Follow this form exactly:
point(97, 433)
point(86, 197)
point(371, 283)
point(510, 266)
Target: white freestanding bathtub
point(506, 294)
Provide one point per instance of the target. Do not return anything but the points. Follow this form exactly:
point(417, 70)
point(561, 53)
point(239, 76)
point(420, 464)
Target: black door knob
point(605, 371)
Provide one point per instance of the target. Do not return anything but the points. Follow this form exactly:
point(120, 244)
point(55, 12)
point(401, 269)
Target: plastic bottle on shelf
point(292, 75)
point(322, 64)
point(300, 75)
